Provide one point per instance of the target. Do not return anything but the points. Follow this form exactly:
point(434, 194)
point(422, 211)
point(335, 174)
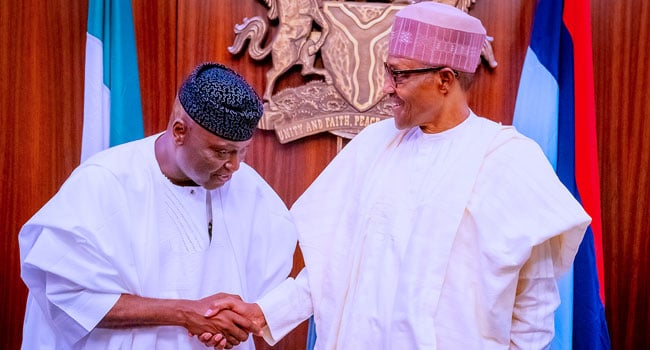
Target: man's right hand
point(249, 311)
point(227, 322)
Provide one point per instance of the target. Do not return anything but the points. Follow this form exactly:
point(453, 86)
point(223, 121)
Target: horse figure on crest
point(295, 43)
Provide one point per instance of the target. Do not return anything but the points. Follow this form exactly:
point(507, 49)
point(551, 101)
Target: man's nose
point(233, 162)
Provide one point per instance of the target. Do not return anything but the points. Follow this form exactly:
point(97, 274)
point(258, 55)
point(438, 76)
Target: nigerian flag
point(556, 107)
point(112, 107)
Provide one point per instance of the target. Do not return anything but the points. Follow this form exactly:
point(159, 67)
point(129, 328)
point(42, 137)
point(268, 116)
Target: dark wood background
point(42, 47)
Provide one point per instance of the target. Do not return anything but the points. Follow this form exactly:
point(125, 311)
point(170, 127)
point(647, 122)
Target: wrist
point(258, 316)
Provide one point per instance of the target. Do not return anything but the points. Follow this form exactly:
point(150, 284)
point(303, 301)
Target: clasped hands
point(227, 321)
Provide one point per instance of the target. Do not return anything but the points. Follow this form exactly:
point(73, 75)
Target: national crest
point(341, 46)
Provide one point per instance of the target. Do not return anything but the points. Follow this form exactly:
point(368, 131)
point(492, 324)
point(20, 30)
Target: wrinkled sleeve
point(535, 302)
point(529, 230)
point(273, 263)
point(65, 253)
point(519, 194)
point(285, 307)
point(269, 232)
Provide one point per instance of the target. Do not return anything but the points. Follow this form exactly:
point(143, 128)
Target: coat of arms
point(352, 40)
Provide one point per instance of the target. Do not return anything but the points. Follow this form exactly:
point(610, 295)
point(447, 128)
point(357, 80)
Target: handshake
point(224, 320)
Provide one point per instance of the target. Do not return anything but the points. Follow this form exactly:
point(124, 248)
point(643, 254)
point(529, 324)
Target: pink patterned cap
point(438, 35)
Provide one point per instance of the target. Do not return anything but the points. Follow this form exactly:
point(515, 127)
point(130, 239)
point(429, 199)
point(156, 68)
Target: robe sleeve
point(285, 307)
point(273, 237)
point(522, 202)
point(66, 249)
point(535, 302)
point(529, 229)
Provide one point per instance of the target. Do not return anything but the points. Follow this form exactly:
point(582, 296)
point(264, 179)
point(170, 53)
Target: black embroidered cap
point(221, 101)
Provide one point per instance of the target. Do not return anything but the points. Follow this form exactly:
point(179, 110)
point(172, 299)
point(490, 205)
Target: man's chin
point(213, 185)
point(216, 182)
point(399, 124)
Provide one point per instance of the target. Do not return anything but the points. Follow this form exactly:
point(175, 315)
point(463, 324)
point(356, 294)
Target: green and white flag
point(112, 107)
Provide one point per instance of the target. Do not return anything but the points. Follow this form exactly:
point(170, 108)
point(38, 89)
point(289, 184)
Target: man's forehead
point(220, 142)
point(403, 61)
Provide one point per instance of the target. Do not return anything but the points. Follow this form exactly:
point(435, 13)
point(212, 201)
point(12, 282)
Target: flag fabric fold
point(556, 107)
point(112, 107)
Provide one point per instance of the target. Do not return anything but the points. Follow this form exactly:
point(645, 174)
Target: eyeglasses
point(398, 76)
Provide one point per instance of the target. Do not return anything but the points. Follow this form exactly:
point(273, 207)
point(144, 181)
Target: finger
point(208, 339)
point(204, 337)
point(221, 301)
point(214, 341)
point(219, 306)
point(211, 312)
point(233, 327)
point(222, 344)
point(231, 342)
point(246, 324)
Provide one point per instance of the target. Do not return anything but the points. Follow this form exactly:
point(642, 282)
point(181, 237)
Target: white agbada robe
point(118, 225)
point(431, 241)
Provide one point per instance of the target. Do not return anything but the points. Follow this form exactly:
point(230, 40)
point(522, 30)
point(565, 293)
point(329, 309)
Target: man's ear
point(447, 78)
point(447, 75)
point(180, 130)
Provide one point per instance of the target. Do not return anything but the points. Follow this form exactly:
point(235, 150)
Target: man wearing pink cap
point(438, 229)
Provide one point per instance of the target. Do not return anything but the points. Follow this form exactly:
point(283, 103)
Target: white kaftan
point(118, 225)
point(445, 241)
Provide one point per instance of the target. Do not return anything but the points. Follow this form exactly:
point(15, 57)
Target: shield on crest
point(356, 47)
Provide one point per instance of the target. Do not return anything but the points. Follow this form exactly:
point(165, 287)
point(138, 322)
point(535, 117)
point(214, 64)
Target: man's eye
point(400, 78)
point(222, 154)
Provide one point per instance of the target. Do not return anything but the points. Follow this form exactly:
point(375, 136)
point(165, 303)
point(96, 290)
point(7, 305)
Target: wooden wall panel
point(41, 104)
point(621, 39)
point(494, 91)
point(41, 89)
point(155, 30)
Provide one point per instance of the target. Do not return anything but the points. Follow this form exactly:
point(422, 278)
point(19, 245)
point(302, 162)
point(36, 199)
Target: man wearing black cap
point(143, 237)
